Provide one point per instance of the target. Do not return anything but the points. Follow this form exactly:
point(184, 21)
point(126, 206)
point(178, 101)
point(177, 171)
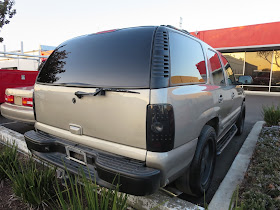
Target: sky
point(50, 22)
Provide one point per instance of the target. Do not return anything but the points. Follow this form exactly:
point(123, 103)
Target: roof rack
point(181, 30)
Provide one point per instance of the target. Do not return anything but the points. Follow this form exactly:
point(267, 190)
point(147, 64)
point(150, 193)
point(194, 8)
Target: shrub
point(257, 200)
point(82, 193)
point(8, 160)
point(261, 187)
point(33, 182)
point(271, 115)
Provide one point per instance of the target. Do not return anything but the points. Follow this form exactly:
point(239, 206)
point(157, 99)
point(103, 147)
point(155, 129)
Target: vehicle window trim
point(233, 84)
point(226, 83)
point(81, 86)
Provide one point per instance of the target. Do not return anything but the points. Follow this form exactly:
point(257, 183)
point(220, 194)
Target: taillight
point(160, 128)
point(9, 99)
point(27, 102)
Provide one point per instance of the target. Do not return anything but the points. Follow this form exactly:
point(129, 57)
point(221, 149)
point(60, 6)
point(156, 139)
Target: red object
point(242, 36)
point(27, 102)
point(15, 78)
point(103, 32)
point(9, 99)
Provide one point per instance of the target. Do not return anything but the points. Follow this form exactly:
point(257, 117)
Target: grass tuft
point(82, 193)
point(33, 182)
point(271, 115)
point(37, 185)
point(8, 160)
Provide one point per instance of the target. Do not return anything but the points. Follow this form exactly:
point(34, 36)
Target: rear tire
point(240, 121)
point(198, 178)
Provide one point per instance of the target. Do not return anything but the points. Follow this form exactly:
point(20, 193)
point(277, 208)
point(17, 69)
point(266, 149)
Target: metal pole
point(39, 55)
point(24, 55)
point(21, 49)
point(4, 48)
point(181, 21)
point(7, 57)
point(270, 77)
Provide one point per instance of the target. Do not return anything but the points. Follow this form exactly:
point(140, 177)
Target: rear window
point(115, 59)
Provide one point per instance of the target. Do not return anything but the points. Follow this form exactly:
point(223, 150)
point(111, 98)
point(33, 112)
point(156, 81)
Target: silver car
point(149, 105)
point(19, 104)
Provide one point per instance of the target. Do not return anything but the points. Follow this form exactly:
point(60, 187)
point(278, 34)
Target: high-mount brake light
point(108, 31)
point(27, 102)
point(9, 99)
point(160, 128)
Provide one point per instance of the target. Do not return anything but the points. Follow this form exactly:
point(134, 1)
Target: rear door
point(236, 91)
point(222, 92)
point(119, 60)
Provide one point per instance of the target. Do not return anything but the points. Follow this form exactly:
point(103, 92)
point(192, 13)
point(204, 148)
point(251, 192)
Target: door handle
point(220, 100)
point(232, 95)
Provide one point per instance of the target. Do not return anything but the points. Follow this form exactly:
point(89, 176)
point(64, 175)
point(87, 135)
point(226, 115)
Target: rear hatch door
point(118, 60)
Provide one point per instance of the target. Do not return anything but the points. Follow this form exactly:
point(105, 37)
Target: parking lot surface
point(254, 105)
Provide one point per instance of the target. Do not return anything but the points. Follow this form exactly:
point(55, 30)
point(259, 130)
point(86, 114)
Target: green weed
point(33, 182)
point(271, 115)
point(8, 160)
point(82, 193)
point(234, 202)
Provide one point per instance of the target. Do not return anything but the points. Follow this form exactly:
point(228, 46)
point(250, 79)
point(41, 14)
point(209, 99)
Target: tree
point(267, 55)
point(6, 13)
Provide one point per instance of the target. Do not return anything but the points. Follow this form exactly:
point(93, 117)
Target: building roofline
point(249, 48)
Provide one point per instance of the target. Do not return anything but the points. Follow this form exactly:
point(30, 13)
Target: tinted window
point(216, 68)
point(115, 59)
point(258, 65)
point(275, 79)
point(236, 61)
point(229, 72)
point(187, 60)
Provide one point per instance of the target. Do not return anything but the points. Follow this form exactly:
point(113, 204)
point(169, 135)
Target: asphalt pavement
point(254, 104)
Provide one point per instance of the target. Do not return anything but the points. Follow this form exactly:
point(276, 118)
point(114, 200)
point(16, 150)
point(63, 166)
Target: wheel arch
point(214, 122)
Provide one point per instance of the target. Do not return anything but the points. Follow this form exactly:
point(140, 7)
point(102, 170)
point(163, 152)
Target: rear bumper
point(133, 175)
point(19, 113)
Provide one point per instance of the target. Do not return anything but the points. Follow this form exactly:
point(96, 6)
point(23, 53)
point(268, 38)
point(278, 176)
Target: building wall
point(252, 51)
point(252, 35)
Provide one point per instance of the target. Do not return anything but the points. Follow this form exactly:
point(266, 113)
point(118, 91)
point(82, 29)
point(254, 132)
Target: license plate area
point(18, 100)
point(76, 155)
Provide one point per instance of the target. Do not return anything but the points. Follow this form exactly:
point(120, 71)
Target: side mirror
point(245, 80)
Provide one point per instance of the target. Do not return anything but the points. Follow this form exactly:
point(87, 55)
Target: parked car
point(19, 104)
point(145, 106)
point(10, 78)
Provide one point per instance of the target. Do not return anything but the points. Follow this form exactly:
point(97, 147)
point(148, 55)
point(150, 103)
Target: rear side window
point(217, 71)
point(187, 60)
point(116, 59)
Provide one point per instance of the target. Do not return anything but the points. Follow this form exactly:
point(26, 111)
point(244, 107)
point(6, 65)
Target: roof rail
point(181, 30)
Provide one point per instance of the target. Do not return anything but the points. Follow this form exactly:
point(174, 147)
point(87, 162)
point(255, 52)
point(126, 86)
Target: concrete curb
point(8, 136)
point(235, 175)
point(158, 200)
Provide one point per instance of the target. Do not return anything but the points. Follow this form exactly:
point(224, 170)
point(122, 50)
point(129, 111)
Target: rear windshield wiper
point(74, 84)
point(101, 91)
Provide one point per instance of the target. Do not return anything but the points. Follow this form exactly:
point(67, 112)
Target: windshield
point(119, 59)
